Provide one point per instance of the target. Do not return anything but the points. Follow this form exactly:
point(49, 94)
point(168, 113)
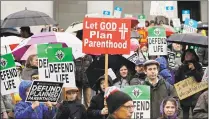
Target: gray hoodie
point(27, 73)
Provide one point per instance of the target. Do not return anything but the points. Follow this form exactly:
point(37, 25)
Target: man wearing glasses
point(120, 105)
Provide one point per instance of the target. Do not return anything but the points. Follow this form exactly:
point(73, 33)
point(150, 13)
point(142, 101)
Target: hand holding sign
point(35, 104)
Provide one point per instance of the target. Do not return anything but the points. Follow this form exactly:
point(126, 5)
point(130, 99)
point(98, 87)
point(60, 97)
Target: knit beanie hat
point(116, 100)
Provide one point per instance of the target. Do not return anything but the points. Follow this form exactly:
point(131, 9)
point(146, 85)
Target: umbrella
point(9, 31)
point(96, 69)
point(9, 43)
point(189, 39)
point(27, 46)
point(27, 18)
point(203, 26)
point(74, 27)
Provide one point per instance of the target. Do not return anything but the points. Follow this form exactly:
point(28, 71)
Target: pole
point(106, 76)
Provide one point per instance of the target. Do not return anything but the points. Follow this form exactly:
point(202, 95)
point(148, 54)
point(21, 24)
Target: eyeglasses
point(129, 107)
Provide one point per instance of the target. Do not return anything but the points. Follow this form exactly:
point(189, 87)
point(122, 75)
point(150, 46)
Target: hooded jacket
point(158, 94)
point(24, 110)
point(162, 111)
point(71, 110)
point(201, 108)
point(164, 71)
point(97, 102)
point(27, 73)
point(184, 72)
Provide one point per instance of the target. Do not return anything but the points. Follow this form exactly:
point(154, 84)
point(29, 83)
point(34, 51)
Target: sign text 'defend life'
point(106, 35)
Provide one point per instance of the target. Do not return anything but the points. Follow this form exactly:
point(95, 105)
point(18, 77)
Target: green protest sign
point(157, 44)
point(141, 99)
point(61, 66)
point(141, 19)
point(9, 75)
point(43, 69)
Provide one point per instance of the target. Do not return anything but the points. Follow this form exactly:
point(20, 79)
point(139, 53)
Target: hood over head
point(162, 61)
point(24, 85)
point(97, 84)
point(162, 108)
point(193, 52)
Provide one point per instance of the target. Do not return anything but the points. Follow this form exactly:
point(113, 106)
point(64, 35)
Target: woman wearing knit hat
point(120, 105)
point(70, 108)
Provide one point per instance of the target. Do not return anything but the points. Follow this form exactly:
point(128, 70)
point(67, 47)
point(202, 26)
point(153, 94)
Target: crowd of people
point(152, 71)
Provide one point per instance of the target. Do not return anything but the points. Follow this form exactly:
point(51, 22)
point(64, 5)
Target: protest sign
point(133, 58)
point(9, 75)
point(117, 12)
point(157, 44)
point(106, 36)
point(141, 99)
point(176, 24)
point(190, 26)
point(169, 11)
point(61, 66)
point(185, 14)
point(171, 59)
point(189, 87)
point(44, 91)
point(141, 19)
point(205, 75)
point(106, 13)
point(43, 68)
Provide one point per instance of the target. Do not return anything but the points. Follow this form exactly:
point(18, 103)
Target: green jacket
point(158, 94)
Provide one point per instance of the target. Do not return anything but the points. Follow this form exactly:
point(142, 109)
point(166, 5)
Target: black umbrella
point(96, 69)
point(203, 25)
point(27, 18)
point(189, 39)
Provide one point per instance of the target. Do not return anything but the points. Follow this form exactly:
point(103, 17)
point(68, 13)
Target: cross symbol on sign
point(123, 29)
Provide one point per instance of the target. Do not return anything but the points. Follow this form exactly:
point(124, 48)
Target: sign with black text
point(141, 99)
point(43, 60)
point(171, 59)
point(157, 44)
point(44, 91)
point(61, 66)
point(133, 58)
point(9, 75)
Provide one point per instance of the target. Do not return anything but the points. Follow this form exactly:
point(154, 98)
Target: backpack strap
point(168, 87)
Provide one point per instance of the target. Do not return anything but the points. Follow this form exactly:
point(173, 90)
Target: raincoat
point(24, 110)
point(164, 71)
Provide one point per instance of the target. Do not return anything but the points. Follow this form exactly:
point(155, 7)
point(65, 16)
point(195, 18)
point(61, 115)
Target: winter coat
point(164, 71)
point(96, 105)
point(97, 102)
point(82, 65)
point(201, 109)
point(27, 73)
point(203, 55)
point(6, 102)
point(23, 110)
point(158, 94)
point(71, 110)
point(138, 78)
point(184, 72)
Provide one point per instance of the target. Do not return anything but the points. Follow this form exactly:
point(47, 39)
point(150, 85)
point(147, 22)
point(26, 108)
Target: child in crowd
point(35, 110)
point(169, 108)
point(71, 108)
